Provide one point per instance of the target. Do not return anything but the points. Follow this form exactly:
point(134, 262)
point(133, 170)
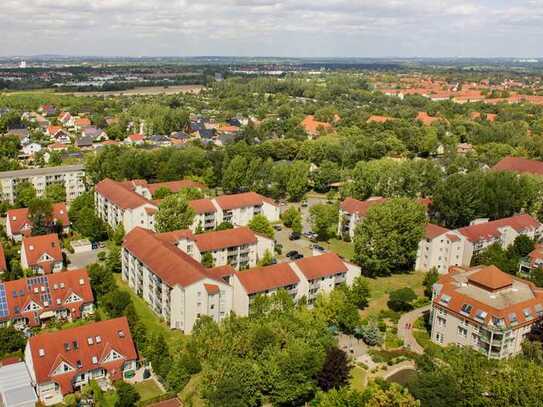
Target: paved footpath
point(407, 333)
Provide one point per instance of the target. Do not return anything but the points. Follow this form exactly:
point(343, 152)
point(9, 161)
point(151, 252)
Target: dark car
point(294, 236)
point(297, 256)
point(292, 253)
point(318, 247)
point(278, 227)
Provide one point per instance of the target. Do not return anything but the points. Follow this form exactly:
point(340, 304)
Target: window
point(466, 308)
point(513, 318)
point(445, 299)
point(527, 313)
point(462, 331)
point(481, 315)
point(441, 322)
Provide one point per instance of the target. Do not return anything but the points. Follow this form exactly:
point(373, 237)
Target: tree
point(102, 280)
point(298, 180)
point(324, 219)
point(371, 335)
point(113, 259)
point(260, 224)
point(11, 341)
point(497, 256)
point(292, 218)
point(174, 213)
point(118, 235)
point(55, 192)
point(85, 200)
point(24, 194)
point(359, 292)
point(207, 260)
point(390, 396)
point(115, 302)
point(386, 241)
point(40, 214)
point(234, 175)
point(429, 280)
point(162, 193)
point(266, 260)
point(327, 173)
point(89, 225)
point(335, 371)
point(127, 396)
point(224, 226)
point(159, 355)
point(401, 299)
point(343, 397)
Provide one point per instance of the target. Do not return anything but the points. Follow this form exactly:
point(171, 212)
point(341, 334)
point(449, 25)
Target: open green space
point(148, 390)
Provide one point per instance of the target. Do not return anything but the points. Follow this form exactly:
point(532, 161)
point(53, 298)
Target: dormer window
point(41, 352)
point(30, 247)
point(90, 341)
point(98, 339)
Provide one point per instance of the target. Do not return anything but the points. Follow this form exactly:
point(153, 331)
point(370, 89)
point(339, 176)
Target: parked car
point(297, 257)
point(294, 236)
point(292, 253)
point(278, 227)
point(318, 247)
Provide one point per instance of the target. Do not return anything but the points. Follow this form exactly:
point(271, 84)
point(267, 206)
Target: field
point(142, 91)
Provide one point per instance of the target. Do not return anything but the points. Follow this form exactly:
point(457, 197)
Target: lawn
point(148, 390)
point(152, 323)
point(380, 287)
point(358, 378)
point(190, 395)
point(340, 247)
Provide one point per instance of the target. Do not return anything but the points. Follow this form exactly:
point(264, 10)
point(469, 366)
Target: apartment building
point(485, 309)
point(353, 211)
point(533, 260)
point(62, 362)
point(442, 248)
point(18, 223)
point(240, 248)
point(33, 301)
point(175, 286)
point(306, 277)
point(42, 254)
point(71, 176)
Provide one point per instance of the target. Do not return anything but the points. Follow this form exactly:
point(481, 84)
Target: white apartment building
point(485, 309)
point(71, 176)
point(442, 248)
point(306, 277)
point(175, 286)
point(240, 248)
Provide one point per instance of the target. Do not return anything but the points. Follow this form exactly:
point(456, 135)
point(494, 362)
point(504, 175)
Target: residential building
point(519, 165)
point(136, 139)
point(534, 260)
point(485, 309)
point(30, 149)
point(42, 254)
point(240, 248)
point(304, 278)
point(71, 176)
point(175, 286)
point(314, 128)
point(442, 248)
point(16, 388)
point(33, 301)
point(62, 362)
point(18, 223)
point(58, 134)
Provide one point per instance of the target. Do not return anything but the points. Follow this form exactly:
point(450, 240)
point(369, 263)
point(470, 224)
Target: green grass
point(340, 247)
point(392, 341)
point(148, 390)
point(358, 378)
point(190, 395)
point(153, 325)
point(110, 397)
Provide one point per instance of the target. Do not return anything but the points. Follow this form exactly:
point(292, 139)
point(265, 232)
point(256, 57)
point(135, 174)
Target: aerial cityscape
point(271, 203)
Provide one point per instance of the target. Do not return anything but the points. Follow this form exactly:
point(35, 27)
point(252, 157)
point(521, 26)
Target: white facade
point(113, 215)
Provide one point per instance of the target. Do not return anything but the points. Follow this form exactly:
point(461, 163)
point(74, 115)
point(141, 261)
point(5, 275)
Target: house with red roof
point(176, 287)
point(58, 135)
point(42, 254)
point(442, 248)
point(3, 263)
point(304, 278)
point(240, 247)
point(315, 128)
point(18, 223)
point(533, 261)
point(81, 122)
point(33, 301)
point(378, 119)
point(136, 139)
point(64, 118)
point(485, 309)
point(61, 362)
point(519, 165)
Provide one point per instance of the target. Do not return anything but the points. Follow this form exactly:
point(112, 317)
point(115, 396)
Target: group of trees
point(84, 219)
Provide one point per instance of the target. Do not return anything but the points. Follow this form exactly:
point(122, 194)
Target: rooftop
point(32, 172)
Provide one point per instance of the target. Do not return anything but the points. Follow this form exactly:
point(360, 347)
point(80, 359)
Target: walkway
point(407, 333)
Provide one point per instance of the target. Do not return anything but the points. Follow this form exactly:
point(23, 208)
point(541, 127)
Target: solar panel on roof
point(4, 311)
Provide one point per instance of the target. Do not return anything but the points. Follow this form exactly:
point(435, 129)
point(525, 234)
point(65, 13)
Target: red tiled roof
point(261, 279)
point(59, 286)
point(487, 230)
point(120, 194)
point(165, 260)
point(491, 117)
point(114, 334)
point(36, 246)
point(211, 288)
point(135, 137)
point(225, 238)
point(313, 126)
point(432, 231)
point(324, 265)
point(242, 200)
point(425, 118)
point(82, 122)
point(379, 119)
point(491, 277)
point(520, 165)
point(222, 271)
point(351, 205)
point(18, 218)
point(53, 130)
point(3, 265)
point(201, 206)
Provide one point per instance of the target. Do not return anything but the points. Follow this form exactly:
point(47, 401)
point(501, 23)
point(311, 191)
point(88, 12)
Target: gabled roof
point(487, 230)
point(432, 231)
point(18, 218)
point(352, 206)
point(163, 258)
point(520, 165)
point(92, 340)
point(262, 279)
point(52, 288)
point(82, 122)
point(201, 206)
point(312, 126)
point(225, 238)
point(120, 194)
point(242, 200)
point(324, 265)
point(378, 119)
point(36, 246)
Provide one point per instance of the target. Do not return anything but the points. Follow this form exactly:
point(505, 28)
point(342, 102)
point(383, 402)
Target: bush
point(402, 299)
point(371, 335)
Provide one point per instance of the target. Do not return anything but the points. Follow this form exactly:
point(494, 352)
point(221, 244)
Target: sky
point(295, 28)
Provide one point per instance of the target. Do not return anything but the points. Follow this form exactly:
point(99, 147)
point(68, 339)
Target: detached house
point(18, 224)
point(58, 135)
point(42, 254)
point(135, 139)
point(65, 118)
point(32, 301)
point(174, 285)
point(80, 123)
point(62, 362)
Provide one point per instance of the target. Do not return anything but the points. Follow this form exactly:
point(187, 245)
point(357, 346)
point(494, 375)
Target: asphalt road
point(82, 260)
point(405, 329)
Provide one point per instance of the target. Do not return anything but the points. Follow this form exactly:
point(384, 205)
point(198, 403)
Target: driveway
point(405, 328)
point(82, 260)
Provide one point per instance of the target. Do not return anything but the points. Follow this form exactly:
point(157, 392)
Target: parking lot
point(81, 260)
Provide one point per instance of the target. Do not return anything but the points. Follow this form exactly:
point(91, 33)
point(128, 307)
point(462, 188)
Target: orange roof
point(18, 218)
point(351, 205)
point(491, 117)
point(425, 118)
point(82, 122)
point(120, 194)
point(84, 348)
point(201, 206)
point(520, 165)
point(135, 137)
point(313, 126)
point(378, 119)
point(3, 265)
point(225, 238)
point(242, 200)
point(222, 271)
point(432, 231)
point(36, 246)
point(53, 130)
point(487, 230)
point(491, 277)
point(262, 279)
point(211, 288)
point(324, 265)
